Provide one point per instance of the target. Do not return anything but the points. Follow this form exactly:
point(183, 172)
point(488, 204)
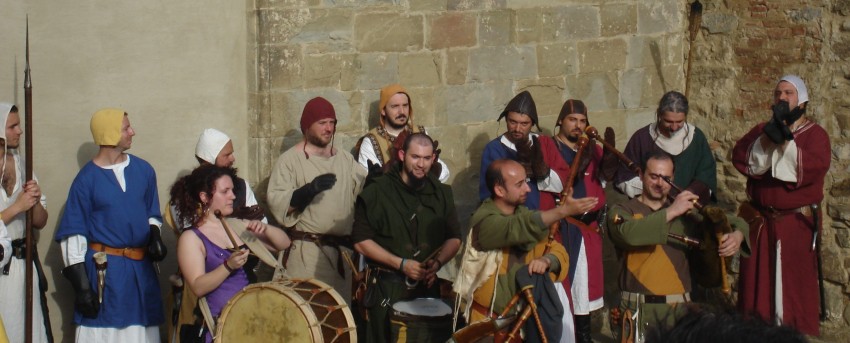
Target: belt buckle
point(771, 211)
point(806, 211)
point(125, 252)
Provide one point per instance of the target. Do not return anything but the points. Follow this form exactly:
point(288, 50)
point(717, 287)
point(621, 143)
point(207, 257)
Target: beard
point(318, 141)
point(397, 124)
point(413, 180)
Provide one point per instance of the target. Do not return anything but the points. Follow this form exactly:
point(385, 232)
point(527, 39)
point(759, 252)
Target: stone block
point(280, 67)
point(262, 4)
point(660, 16)
point(636, 120)
point(277, 26)
point(548, 94)
point(805, 14)
point(602, 56)
point(325, 70)
point(265, 152)
point(643, 87)
point(425, 104)
point(496, 28)
point(548, 24)
point(597, 90)
point(718, 22)
point(362, 3)
point(376, 70)
point(833, 268)
point(502, 62)
point(451, 29)
point(259, 114)
point(476, 102)
point(420, 69)
point(556, 59)
point(552, 3)
point(427, 5)
point(465, 5)
point(618, 19)
point(653, 52)
point(388, 31)
point(457, 66)
point(325, 25)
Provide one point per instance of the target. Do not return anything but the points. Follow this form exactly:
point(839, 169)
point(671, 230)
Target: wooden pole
point(29, 241)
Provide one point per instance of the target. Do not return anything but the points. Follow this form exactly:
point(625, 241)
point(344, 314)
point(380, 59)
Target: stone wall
point(461, 61)
point(742, 50)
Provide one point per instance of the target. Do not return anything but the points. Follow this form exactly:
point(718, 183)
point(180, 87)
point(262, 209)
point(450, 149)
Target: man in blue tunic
point(113, 207)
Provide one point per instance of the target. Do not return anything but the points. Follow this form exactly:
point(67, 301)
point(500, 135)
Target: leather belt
point(773, 212)
point(656, 299)
point(137, 254)
point(320, 240)
point(19, 248)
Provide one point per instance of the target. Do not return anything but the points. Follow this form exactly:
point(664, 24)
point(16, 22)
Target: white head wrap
point(210, 144)
point(4, 116)
point(802, 91)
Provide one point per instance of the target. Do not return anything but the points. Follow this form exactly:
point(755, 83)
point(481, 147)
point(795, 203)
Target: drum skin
point(421, 320)
point(286, 311)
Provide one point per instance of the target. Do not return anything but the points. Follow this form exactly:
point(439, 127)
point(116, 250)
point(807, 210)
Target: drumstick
point(350, 264)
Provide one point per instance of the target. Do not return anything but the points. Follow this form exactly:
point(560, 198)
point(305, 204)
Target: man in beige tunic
point(312, 190)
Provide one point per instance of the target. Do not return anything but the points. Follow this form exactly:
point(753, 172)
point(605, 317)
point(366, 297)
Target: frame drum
point(295, 310)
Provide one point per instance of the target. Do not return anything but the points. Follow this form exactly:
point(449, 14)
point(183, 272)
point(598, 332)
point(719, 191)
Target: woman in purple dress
point(210, 264)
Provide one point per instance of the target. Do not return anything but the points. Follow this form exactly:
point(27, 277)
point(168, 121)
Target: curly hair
point(185, 192)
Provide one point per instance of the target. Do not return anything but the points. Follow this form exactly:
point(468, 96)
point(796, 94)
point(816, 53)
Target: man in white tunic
point(19, 196)
point(312, 190)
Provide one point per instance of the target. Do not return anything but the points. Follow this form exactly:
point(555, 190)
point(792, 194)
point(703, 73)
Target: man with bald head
point(406, 226)
point(785, 160)
point(508, 239)
point(113, 207)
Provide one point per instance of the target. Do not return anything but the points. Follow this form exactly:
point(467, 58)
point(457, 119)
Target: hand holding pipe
point(591, 132)
point(691, 242)
point(226, 229)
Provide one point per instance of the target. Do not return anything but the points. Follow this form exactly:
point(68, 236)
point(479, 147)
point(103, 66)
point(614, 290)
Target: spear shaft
point(28, 170)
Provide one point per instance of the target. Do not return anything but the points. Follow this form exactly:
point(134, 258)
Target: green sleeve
point(522, 230)
point(646, 230)
point(739, 224)
point(555, 264)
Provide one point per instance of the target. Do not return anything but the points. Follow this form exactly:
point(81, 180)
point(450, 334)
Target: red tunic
point(788, 237)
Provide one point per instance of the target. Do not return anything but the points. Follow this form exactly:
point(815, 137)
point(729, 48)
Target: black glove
point(610, 164)
point(701, 190)
point(374, 170)
point(777, 128)
point(436, 168)
point(156, 248)
point(254, 212)
point(539, 168)
point(304, 195)
point(85, 300)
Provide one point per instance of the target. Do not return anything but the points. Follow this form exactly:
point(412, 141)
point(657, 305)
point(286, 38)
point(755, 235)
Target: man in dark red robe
point(785, 161)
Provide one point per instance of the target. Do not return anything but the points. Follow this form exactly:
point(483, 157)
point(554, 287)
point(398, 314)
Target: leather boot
point(582, 323)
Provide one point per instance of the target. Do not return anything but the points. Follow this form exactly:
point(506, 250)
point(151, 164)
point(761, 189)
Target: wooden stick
point(226, 228)
point(591, 132)
point(28, 165)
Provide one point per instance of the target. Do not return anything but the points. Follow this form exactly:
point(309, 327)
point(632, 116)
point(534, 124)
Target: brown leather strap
point(484, 310)
point(137, 254)
point(772, 212)
point(321, 240)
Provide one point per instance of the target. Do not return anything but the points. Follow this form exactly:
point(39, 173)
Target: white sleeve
point(74, 249)
point(784, 162)
point(251, 199)
point(551, 183)
point(6, 243)
point(759, 161)
point(444, 173)
point(367, 153)
point(632, 187)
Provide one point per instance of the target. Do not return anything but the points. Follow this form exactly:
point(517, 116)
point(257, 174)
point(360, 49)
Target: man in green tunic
point(406, 226)
point(656, 277)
